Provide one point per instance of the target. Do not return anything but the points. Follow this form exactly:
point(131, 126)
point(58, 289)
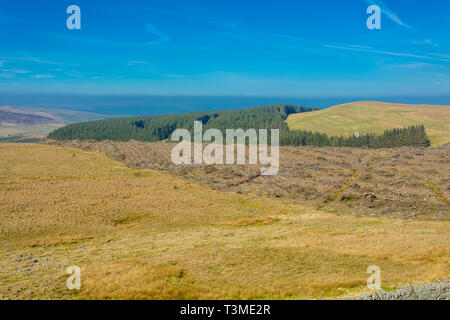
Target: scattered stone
point(434, 291)
point(370, 196)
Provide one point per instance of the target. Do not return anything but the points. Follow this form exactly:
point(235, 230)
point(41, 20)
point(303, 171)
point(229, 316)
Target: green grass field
point(376, 117)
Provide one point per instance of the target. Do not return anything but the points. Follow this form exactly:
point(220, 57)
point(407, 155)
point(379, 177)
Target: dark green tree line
point(156, 128)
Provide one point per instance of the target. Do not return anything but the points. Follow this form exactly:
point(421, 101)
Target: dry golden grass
point(372, 116)
point(144, 234)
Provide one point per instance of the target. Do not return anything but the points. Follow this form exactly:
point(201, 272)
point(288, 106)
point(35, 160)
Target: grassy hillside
point(376, 117)
point(152, 235)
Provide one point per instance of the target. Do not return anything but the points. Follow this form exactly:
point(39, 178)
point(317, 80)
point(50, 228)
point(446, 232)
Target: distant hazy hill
point(22, 124)
point(22, 118)
point(376, 117)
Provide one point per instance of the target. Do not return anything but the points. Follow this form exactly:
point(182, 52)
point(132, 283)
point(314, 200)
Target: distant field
point(21, 123)
point(38, 131)
point(32, 138)
point(366, 117)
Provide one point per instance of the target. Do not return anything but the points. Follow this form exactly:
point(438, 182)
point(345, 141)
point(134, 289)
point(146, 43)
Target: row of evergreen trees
point(156, 128)
point(391, 138)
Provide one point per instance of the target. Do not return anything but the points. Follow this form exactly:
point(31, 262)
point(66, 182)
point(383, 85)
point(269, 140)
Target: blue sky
point(256, 48)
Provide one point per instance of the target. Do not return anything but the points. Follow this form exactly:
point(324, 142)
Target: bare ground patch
point(403, 182)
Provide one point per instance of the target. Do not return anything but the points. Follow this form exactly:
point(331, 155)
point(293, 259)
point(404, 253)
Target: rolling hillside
point(22, 124)
point(147, 234)
point(376, 117)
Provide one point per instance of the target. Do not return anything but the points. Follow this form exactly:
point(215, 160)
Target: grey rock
point(434, 291)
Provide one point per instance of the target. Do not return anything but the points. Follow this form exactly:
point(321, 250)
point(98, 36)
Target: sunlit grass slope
point(144, 234)
point(366, 117)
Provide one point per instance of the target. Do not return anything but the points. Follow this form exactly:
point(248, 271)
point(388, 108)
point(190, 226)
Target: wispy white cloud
point(415, 65)
point(12, 72)
point(389, 13)
point(136, 62)
point(42, 76)
point(274, 41)
point(174, 75)
point(32, 59)
point(442, 55)
point(74, 74)
point(7, 75)
point(154, 30)
point(86, 40)
point(19, 71)
point(427, 42)
point(384, 52)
